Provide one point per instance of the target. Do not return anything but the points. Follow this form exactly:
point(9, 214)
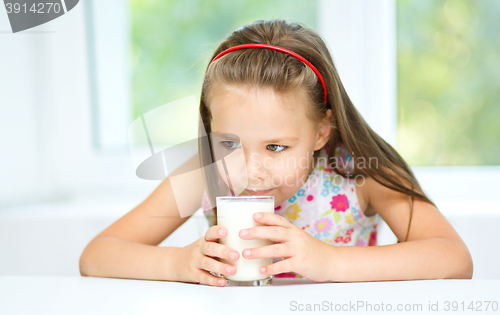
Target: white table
point(91, 295)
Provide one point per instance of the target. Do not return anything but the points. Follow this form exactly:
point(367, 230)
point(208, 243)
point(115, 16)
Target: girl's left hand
point(304, 254)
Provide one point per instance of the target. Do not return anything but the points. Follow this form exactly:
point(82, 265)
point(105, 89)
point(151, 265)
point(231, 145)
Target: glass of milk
point(235, 214)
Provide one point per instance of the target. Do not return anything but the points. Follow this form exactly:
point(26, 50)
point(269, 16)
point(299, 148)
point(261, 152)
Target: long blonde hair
point(282, 72)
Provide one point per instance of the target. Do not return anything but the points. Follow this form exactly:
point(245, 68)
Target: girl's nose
point(255, 167)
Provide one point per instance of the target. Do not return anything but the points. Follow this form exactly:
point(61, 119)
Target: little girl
point(274, 85)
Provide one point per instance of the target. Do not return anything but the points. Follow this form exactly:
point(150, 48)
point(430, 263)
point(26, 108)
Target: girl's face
point(277, 139)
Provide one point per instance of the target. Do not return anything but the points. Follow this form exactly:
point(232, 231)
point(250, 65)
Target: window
point(401, 62)
point(448, 74)
point(362, 38)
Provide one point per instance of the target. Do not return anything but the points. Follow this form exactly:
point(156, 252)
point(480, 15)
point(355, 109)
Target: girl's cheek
point(286, 179)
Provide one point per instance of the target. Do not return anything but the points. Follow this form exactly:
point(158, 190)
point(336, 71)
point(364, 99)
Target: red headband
point(278, 49)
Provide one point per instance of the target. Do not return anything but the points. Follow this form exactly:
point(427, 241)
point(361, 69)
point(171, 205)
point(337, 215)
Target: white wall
point(21, 138)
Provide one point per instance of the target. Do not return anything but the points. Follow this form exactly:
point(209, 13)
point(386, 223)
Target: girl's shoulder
point(340, 158)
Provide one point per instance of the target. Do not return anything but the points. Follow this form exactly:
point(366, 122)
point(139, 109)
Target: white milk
point(235, 214)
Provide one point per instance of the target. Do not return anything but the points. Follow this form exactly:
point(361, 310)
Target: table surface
point(93, 295)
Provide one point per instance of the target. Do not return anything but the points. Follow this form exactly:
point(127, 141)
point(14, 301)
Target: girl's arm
point(128, 248)
point(433, 250)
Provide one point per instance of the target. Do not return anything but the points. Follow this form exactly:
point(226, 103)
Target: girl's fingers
point(218, 250)
point(270, 251)
point(210, 264)
point(271, 219)
point(276, 234)
point(207, 278)
point(276, 268)
point(214, 233)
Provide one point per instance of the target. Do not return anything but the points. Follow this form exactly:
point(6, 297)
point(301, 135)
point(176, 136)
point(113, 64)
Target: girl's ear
point(324, 130)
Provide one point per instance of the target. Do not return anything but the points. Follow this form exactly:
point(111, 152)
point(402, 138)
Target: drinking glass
point(235, 214)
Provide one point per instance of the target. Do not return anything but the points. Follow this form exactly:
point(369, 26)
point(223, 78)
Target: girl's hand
point(303, 253)
point(197, 260)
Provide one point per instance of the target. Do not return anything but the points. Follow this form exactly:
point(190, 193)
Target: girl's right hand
point(197, 260)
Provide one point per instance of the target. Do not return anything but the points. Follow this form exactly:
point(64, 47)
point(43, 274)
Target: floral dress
point(326, 206)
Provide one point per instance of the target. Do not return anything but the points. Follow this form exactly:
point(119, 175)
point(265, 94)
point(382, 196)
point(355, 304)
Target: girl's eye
point(278, 145)
point(232, 144)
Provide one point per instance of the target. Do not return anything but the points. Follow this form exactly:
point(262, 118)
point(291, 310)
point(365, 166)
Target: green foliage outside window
point(448, 82)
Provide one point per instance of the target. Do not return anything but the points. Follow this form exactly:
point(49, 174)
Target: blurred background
point(423, 73)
